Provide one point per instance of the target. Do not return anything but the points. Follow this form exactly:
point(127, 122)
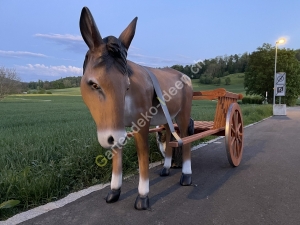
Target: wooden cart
point(228, 122)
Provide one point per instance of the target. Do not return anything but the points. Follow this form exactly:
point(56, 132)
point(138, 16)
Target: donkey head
point(105, 78)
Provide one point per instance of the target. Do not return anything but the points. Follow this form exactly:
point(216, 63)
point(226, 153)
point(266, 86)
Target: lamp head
point(280, 41)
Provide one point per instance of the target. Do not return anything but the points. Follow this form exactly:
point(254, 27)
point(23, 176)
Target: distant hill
point(236, 84)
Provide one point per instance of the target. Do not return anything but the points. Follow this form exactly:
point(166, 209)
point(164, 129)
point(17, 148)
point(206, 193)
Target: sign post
point(279, 89)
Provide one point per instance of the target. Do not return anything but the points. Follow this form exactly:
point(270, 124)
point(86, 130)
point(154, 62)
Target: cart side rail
point(224, 98)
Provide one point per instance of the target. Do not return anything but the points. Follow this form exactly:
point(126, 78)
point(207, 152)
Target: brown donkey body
point(120, 93)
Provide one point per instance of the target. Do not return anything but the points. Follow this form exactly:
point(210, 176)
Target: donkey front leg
point(116, 177)
point(141, 142)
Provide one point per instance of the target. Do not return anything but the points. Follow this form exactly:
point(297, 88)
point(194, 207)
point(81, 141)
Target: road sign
point(280, 78)
point(280, 90)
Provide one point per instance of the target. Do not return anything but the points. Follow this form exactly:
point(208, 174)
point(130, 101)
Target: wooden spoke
point(234, 134)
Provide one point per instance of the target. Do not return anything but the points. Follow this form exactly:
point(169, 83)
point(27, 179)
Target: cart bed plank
point(195, 137)
point(198, 127)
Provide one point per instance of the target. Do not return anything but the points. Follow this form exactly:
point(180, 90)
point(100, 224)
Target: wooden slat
point(204, 97)
point(195, 137)
point(152, 130)
point(209, 95)
point(198, 125)
point(233, 95)
point(221, 111)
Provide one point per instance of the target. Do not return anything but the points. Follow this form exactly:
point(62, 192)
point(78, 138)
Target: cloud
point(158, 61)
point(73, 43)
point(76, 44)
point(19, 54)
point(52, 71)
point(61, 37)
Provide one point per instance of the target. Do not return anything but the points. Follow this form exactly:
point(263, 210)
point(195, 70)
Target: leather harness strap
point(164, 106)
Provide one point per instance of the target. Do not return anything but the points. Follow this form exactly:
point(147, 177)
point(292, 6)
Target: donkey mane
point(117, 54)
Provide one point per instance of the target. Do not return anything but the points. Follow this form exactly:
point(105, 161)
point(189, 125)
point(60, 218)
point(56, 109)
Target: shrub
point(48, 92)
point(42, 91)
point(252, 100)
point(206, 79)
point(216, 81)
point(225, 73)
point(288, 100)
point(227, 80)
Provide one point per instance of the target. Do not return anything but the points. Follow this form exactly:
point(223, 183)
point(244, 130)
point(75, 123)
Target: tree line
point(257, 66)
point(210, 70)
point(61, 83)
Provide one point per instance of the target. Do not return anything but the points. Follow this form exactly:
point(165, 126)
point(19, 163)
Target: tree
point(9, 82)
point(67, 83)
point(298, 54)
point(227, 81)
point(216, 81)
point(259, 76)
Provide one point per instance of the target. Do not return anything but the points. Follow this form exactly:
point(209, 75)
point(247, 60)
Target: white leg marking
point(116, 181)
point(168, 161)
point(143, 187)
point(162, 148)
point(186, 167)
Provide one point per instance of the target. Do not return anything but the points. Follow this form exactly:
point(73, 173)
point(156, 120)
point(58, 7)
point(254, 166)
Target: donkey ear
point(89, 30)
point(127, 35)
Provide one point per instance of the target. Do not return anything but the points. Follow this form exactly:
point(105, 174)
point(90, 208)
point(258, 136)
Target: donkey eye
point(94, 85)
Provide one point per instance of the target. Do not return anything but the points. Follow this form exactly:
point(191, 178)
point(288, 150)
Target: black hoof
point(186, 179)
point(164, 172)
point(141, 203)
point(113, 196)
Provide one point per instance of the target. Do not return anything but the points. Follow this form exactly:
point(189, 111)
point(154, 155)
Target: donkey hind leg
point(116, 178)
point(168, 154)
point(141, 142)
point(186, 177)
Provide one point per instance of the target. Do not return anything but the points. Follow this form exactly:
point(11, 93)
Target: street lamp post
point(280, 41)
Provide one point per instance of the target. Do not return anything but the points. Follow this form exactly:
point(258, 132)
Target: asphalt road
point(264, 189)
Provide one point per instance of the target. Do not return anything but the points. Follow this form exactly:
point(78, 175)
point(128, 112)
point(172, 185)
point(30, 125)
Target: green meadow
point(236, 84)
point(48, 144)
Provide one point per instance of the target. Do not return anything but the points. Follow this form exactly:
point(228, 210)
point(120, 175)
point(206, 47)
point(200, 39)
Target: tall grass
point(48, 149)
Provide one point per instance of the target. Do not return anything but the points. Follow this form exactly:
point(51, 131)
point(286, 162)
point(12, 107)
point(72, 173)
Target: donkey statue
point(120, 93)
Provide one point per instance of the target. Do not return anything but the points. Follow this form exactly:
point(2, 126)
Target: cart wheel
point(234, 134)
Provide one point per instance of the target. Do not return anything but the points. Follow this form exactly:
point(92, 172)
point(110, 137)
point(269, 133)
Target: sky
point(42, 40)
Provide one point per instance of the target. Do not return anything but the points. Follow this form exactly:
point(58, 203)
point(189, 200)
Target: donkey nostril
point(110, 140)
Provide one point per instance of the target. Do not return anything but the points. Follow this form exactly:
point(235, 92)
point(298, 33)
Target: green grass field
point(236, 85)
point(48, 146)
point(68, 91)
